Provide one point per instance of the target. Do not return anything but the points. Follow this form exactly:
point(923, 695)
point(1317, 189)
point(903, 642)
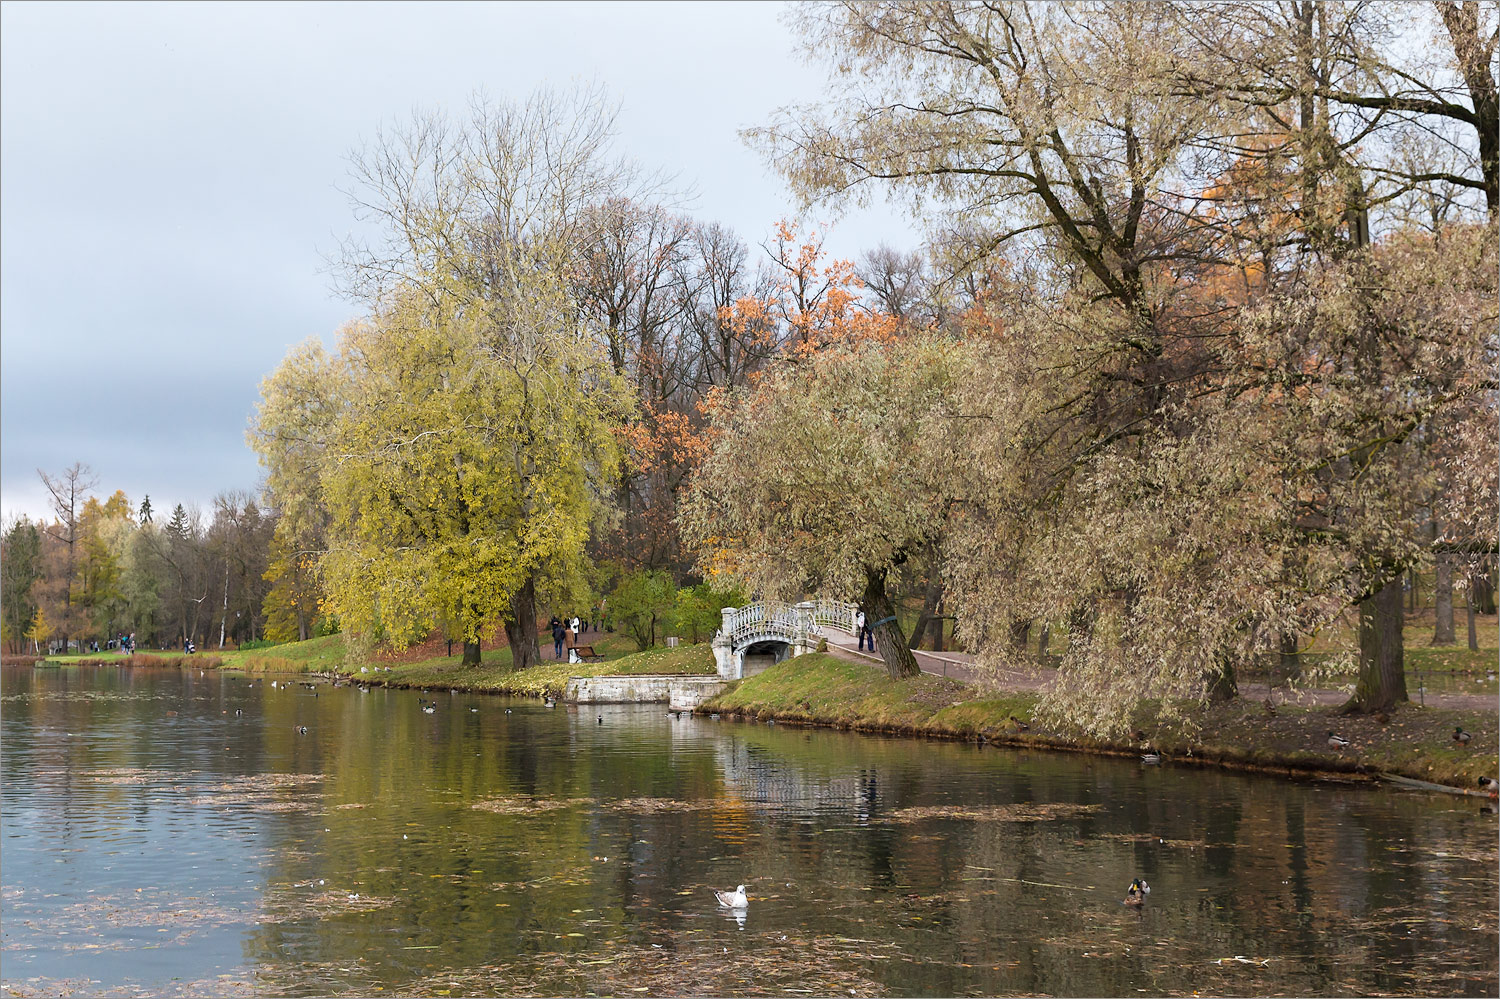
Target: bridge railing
point(792, 622)
point(763, 617)
point(837, 613)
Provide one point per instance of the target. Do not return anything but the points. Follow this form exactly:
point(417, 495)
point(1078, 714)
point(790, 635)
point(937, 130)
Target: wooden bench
point(584, 654)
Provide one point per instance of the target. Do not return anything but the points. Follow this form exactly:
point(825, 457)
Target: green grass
point(494, 673)
point(1449, 658)
point(316, 655)
point(823, 689)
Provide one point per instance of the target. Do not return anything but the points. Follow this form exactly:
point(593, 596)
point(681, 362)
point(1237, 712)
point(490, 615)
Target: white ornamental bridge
point(766, 632)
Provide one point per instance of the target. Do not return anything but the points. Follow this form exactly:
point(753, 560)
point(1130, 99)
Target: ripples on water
point(164, 832)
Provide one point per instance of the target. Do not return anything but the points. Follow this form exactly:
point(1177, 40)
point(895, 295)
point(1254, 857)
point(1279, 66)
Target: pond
point(171, 832)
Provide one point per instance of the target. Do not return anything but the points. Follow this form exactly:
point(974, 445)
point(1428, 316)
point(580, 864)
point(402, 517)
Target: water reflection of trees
point(1342, 889)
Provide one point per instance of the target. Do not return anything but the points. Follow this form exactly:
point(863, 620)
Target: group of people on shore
point(565, 633)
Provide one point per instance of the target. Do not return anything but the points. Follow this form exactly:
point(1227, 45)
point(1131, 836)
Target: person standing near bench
point(558, 636)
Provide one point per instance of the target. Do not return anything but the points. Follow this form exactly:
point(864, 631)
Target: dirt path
point(960, 666)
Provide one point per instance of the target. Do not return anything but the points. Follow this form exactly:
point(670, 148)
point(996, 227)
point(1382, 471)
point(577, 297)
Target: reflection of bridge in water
point(757, 776)
point(766, 632)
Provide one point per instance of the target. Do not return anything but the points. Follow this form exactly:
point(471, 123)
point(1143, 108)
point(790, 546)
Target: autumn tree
point(238, 539)
point(294, 419)
point(177, 553)
point(1355, 135)
point(1087, 141)
point(103, 528)
point(817, 479)
point(38, 631)
point(472, 439)
point(67, 492)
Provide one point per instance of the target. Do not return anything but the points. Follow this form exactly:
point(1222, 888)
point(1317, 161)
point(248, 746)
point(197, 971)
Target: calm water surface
point(164, 832)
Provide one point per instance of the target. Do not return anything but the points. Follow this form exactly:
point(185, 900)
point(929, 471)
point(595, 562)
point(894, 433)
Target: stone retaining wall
point(680, 691)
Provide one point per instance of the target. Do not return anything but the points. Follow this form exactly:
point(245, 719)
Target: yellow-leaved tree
point(461, 436)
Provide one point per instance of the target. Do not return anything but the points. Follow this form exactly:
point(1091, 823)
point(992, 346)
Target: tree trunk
point(1462, 22)
point(297, 599)
point(1382, 674)
point(1411, 592)
point(1471, 615)
point(1442, 599)
point(929, 608)
point(1222, 685)
point(889, 640)
point(520, 627)
point(224, 619)
point(1482, 592)
point(471, 654)
point(1020, 633)
point(1291, 662)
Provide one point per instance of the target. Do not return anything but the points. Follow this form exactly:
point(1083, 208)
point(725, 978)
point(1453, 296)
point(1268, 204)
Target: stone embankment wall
point(681, 692)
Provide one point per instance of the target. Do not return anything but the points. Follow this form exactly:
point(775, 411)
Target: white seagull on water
point(732, 899)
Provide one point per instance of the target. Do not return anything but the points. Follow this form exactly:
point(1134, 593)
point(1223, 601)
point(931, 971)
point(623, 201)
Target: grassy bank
point(1413, 741)
point(494, 674)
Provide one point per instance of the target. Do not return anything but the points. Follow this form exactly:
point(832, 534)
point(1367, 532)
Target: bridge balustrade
point(796, 625)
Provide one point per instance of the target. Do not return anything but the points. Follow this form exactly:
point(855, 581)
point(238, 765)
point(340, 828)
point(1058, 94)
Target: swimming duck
point(1489, 784)
point(1460, 736)
point(1151, 758)
point(1337, 741)
point(428, 709)
point(1137, 892)
point(736, 899)
point(301, 729)
point(473, 711)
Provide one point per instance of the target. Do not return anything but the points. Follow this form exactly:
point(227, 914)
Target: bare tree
point(67, 491)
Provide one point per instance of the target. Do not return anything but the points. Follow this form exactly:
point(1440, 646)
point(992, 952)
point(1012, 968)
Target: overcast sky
point(169, 185)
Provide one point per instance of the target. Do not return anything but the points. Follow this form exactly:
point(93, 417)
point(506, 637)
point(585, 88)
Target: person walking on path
point(863, 628)
point(576, 629)
point(558, 635)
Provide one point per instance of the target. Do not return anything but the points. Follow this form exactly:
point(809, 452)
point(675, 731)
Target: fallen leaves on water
point(1025, 811)
point(525, 804)
point(287, 906)
point(654, 805)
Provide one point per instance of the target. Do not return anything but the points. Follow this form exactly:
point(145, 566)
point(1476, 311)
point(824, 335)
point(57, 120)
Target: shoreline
point(1349, 772)
point(819, 691)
